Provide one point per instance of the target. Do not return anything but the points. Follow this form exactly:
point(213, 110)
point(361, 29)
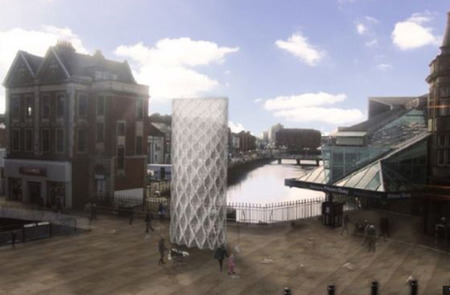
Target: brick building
point(298, 140)
point(76, 126)
point(247, 142)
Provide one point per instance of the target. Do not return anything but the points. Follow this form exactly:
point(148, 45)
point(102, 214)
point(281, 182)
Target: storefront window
point(15, 192)
point(56, 194)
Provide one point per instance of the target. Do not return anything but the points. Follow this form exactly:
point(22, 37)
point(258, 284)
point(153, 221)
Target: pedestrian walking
point(93, 209)
point(220, 255)
point(345, 223)
point(131, 215)
point(231, 264)
point(384, 227)
point(161, 211)
point(366, 225)
point(162, 249)
point(372, 237)
point(148, 222)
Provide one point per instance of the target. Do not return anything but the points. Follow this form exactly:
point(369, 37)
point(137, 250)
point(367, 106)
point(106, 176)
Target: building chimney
point(445, 48)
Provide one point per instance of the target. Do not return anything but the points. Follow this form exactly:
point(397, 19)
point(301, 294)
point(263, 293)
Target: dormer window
point(100, 75)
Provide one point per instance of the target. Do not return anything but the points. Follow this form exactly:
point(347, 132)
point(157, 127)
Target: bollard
point(287, 291)
point(374, 288)
point(414, 287)
point(331, 290)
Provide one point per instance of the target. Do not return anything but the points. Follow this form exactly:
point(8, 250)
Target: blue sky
point(304, 63)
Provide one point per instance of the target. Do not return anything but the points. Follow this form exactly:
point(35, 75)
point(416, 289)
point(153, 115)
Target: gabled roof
point(32, 63)
point(74, 64)
point(164, 128)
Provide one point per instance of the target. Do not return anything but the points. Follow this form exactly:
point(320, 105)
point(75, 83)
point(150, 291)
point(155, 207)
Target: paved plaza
point(118, 258)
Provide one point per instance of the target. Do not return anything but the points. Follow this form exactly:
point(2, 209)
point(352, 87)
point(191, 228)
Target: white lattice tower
point(199, 173)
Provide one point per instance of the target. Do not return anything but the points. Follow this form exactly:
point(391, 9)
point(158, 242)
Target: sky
point(301, 63)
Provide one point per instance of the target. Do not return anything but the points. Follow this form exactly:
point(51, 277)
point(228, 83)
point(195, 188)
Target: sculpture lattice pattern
point(199, 172)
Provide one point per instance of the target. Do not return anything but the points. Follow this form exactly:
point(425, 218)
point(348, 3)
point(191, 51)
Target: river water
point(265, 185)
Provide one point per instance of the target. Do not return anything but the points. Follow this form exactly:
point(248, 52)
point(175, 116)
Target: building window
point(45, 137)
point(82, 106)
point(138, 145)
point(444, 91)
point(120, 128)
point(28, 140)
point(120, 157)
point(46, 107)
point(100, 132)
point(443, 150)
point(15, 107)
point(139, 109)
point(60, 102)
point(15, 140)
point(82, 140)
point(101, 105)
point(29, 107)
point(59, 140)
point(443, 106)
point(441, 140)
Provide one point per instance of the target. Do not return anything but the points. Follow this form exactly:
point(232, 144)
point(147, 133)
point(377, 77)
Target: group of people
point(368, 231)
point(91, 210)
point(220, 254)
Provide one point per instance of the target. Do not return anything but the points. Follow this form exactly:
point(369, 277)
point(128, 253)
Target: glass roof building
point(384, 157)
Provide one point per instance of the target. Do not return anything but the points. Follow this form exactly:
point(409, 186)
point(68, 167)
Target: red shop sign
point(33, 171)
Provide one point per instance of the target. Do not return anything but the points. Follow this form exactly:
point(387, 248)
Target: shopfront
point(35, 182)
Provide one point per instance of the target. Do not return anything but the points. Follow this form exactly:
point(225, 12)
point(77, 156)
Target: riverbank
point(238, 170)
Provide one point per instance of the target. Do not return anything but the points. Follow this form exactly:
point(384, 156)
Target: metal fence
point(45, 224)
point(277, 212)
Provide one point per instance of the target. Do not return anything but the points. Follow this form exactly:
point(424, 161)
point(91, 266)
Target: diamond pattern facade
point(199, 172)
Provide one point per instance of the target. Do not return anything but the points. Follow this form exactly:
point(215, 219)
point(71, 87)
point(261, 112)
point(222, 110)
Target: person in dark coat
point(345, 223)
point(384, 227)
point(148, 222)
point(162, 249)
point(131, 215)
point(220, 255)
point(372, 237)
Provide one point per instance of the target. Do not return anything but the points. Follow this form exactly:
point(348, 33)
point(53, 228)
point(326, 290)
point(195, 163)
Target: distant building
point(247, 142)
point(272, 132)
point(159, 138)
point(380, 159)
point(297, 140)
point(76, 126)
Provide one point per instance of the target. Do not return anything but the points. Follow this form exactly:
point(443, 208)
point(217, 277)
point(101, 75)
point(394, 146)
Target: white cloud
point(235, 127)
point(299, 46)
point(33, 41)
point(383, 67)
point(412, 33)
point(257, 100)
point(325, 115)
point(310, 107)
point(371, 43)
point(168, 66)
point(364, 27)
point(303, 100)
point(361, 28)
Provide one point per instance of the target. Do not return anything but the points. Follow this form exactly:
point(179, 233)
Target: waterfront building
point(76, 125)
point(380, 159)
point(437, 196)
point(297, 140)
point(247, 142)
point(439, 113)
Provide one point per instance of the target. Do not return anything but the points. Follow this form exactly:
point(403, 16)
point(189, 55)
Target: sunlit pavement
point(118, 258)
